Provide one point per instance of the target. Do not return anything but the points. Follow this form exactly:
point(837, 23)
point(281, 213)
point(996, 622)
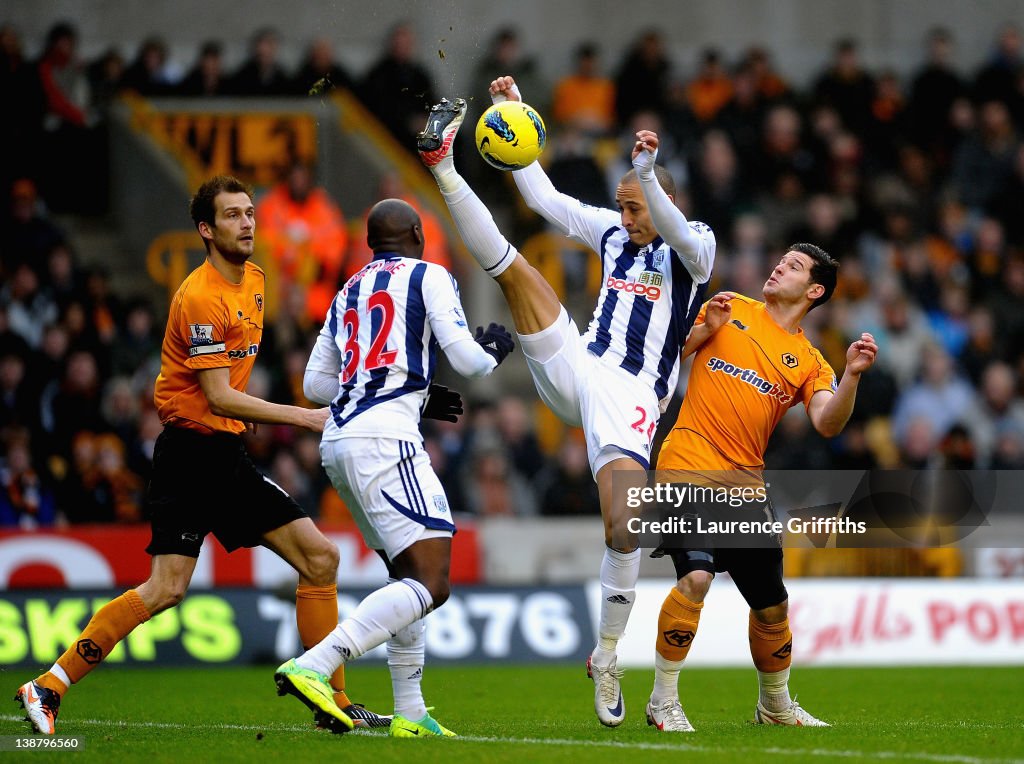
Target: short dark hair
point(201, 207)
point(668, 185)
point(824, 270)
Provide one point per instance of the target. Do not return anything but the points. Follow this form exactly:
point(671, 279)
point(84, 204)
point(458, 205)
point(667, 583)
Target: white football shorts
point(617, 411)
point(391, 490)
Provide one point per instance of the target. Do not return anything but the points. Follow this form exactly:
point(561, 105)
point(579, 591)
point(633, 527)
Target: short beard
point(234, 256)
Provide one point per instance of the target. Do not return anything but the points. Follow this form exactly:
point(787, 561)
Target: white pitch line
point(563, 742)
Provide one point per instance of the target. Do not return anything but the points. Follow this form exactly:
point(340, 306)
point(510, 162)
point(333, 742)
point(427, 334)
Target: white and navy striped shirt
point(381, 338)
point(649, 298)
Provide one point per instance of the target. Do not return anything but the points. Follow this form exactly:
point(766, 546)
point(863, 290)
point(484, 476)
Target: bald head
point(394, 226)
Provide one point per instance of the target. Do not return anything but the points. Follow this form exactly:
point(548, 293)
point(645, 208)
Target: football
point(510, 135)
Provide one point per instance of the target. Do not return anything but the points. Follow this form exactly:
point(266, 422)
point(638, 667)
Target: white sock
point(476, 226)
point(61, 674)
point(405, 662)
point(383, 613)
point(774, 689)
point(619, 572)
point(666, 679)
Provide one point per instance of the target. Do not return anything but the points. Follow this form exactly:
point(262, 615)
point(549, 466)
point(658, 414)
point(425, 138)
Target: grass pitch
point(507, 713)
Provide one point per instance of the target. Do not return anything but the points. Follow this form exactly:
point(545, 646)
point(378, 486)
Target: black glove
point(496, 340)
point(442, 403)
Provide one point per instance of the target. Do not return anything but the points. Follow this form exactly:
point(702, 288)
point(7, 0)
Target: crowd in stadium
point(916, 184)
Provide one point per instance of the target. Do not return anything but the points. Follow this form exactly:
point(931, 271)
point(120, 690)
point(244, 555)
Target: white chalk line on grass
point(568, 742)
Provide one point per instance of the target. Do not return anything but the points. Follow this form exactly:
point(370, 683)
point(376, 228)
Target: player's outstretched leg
point(434, 143)
point(41, 706)
point(311, 688)
point(531, 300)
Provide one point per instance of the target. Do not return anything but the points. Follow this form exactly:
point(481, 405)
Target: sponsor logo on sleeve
point(460, 318)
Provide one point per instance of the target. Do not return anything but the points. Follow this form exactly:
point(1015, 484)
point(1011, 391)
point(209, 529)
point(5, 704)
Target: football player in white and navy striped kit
point(374, 363)
point(616, 379)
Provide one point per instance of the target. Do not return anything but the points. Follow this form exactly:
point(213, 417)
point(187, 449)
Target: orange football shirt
point(212, 323)
point(744, 378)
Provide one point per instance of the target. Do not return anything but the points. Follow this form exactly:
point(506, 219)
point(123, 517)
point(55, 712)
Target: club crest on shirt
point(259, 302)
point(790, 360)
point(441, 504)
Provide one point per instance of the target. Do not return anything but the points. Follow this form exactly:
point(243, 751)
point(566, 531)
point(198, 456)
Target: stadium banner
point(848, 622)
point(232, 626)
point(108, 556)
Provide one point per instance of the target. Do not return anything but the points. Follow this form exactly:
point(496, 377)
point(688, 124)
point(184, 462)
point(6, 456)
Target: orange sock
point(112, 623)
point(316, 614)
point(771, 645)
point(677, 625)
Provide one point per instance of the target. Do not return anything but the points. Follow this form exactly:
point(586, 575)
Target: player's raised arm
point(695, 242)
point(537, 190)
point(830, 411)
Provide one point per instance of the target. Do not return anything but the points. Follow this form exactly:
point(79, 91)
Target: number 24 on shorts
point(376, 356)
point(638, 425)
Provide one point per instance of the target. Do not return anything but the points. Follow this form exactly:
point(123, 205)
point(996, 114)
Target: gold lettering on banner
point(256, 147)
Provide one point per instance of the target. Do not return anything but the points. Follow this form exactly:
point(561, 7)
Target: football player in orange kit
point(203, 480)
point(752, 363)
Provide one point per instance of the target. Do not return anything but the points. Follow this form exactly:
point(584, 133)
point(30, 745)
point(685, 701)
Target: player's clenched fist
point(504, 89)
point(861, 354)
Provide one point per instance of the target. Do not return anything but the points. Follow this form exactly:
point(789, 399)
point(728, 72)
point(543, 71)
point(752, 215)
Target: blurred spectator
point(106, 76)
point(949, 321)
point(19, 84)
point(997, 412)
point(933, 91)
point(19, 400)
point(28, 235)
point(492, 487)
point(642, 81)
point(742, 116)
point(783, 157)
point(984, 161)
point(397, 90)
point(137, 341)
point(304, 231)
point(941, 396)
point(1007, 305)
point(998, 79)
point(573, 169)
point(207, 76)
point(981, 345)
point(567, 485)
point(900, 329)
point(585, 99)
point(517, 436)
point(25, 501)
point(261, 74)
point(147, 74)
point(1007, 204)
point(65, 87)
point(770, 85)
point(711, 89)
point(505, 55)
point(847, 87)
point(71, 403)
point(29, 309)
point(889, 125)
point(320, 72)
point(719, 193)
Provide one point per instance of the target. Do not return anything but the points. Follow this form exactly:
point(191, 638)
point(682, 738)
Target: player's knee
point(322, 563)
point(695, 585)
point(774, 614)
point(439, 588)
